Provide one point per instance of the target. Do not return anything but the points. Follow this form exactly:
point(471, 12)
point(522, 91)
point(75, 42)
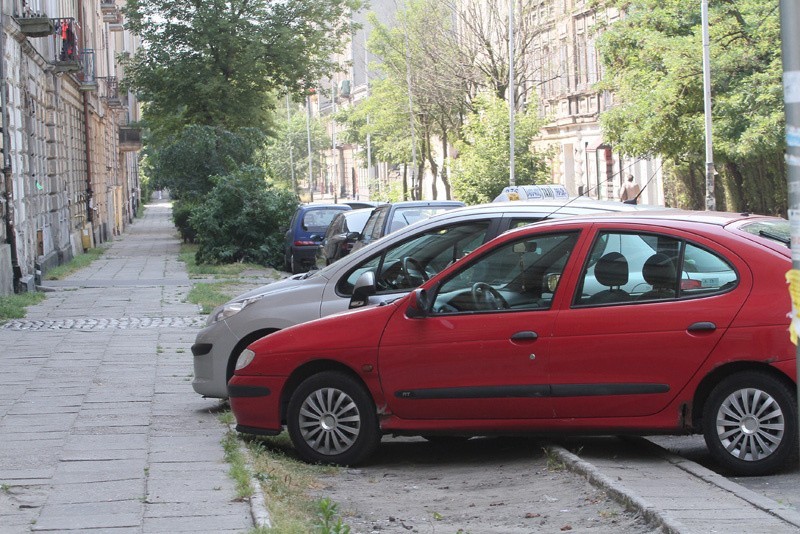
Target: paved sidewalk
point(101, 430)
point(679, 495)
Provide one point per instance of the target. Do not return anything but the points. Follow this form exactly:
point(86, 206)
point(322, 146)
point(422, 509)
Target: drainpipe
point(87, 131)
point(11, 232)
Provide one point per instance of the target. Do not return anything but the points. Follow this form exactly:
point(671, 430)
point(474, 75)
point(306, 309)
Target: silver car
point(396, 264)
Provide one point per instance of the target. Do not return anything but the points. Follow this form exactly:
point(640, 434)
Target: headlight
point(230, 309)
point(244, 359)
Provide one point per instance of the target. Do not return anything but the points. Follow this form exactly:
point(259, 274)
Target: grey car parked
point(395, 264)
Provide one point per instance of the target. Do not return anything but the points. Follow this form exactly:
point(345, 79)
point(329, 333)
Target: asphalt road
point(783, 487)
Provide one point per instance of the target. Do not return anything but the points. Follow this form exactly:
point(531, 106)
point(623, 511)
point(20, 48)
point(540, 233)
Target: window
point(629, 267)
point(521, 275)
point(405, 265)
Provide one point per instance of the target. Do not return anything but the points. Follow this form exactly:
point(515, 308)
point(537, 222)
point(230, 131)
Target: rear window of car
point(318, 220)
point(775, 230)
point(404, 216)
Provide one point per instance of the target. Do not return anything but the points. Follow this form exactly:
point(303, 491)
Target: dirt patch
point(498, 485)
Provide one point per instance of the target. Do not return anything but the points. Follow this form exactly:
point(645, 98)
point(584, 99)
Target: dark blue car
point(305, 233)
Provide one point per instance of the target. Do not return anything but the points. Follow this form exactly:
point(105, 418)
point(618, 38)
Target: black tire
point(295, 266)
point(750, 423)
point(332, 419)
point(287, 263)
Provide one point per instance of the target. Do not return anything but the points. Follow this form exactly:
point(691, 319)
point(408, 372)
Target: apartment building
point(566, 68)
point(70, 139)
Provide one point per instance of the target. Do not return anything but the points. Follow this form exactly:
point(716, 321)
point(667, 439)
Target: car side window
point(520, 275)
point(625, 267)
point(407, 264)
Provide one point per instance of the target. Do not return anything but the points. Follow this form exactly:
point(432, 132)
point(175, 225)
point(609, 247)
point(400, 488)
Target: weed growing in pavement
point(226, 417)
point(13, 306)
point(554, 463)
point(5, 488)
point(328, 521)
point(75, 264)
point(238, 471)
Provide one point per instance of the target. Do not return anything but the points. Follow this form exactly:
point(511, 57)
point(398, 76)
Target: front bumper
point(212, 351)
point(255, 402)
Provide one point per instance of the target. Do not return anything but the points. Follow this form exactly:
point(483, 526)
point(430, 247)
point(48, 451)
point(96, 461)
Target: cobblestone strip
point(89, 323)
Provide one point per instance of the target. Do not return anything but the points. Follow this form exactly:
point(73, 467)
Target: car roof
point(309, 207)
point(422, 203)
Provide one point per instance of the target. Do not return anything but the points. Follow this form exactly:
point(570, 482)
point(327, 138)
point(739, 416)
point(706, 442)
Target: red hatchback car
point(634, 323)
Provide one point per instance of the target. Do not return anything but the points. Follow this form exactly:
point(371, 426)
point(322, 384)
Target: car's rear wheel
point(332, 419)
point(295, 265)
point(750, 423)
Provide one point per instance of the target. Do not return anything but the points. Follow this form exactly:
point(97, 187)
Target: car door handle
point(702, 326)
point(525, 335)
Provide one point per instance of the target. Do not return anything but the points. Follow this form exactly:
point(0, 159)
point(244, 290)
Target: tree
point(481, 171)
point(653, 60)
point(215, 62)
point(241, 219)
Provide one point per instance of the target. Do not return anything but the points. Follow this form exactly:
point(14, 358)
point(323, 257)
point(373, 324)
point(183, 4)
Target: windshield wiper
point(775, 237)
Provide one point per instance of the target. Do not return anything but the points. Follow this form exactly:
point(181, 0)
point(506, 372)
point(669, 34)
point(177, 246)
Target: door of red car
point(627, 349)
point(483, 351)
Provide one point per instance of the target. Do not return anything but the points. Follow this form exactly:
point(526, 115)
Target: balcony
point(113, 98)
point(86, 76)
point(111, 13)
point(36, 24)
point(130, 138)
point(66, 39)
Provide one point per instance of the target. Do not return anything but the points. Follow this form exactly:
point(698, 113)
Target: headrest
point(612, 270)
point(659, 271)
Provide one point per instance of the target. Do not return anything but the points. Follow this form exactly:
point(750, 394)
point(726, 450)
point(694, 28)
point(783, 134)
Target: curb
point(258, 507)
point(618, 492)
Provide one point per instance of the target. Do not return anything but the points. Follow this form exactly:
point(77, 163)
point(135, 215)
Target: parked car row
point(637, 323)
point(320, 234)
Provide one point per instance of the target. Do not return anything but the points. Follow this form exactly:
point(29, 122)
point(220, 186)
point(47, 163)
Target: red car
point(633, 323)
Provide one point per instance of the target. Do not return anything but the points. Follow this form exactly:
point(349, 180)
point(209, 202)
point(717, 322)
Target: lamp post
point(790, 47)
point(711, 203)
point(512, 99)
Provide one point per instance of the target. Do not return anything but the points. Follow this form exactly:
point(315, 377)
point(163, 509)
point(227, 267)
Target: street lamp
point(711, 203)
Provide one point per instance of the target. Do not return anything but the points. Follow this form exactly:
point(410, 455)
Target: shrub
point(181, 216)
point(242, 219)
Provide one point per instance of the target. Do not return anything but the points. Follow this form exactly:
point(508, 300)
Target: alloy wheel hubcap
point(750, 424)
point(329, 421)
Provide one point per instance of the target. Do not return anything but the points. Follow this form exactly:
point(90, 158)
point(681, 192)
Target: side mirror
point(363, 289)
point(315, 237)
point(353, 236)
point(418, 305)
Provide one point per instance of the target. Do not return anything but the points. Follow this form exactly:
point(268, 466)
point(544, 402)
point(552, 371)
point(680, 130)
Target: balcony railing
point(113, 97)
point(66, 39)
point(87, 73)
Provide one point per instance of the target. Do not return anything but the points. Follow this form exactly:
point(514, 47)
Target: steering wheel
point(411, 265)
point(486, 297)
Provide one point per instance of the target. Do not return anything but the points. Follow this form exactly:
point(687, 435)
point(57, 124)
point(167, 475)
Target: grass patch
point(286, 481)
point(75, 264)
point(187, 256)
point(13, 306)
point(211, 295)
point(238, 471)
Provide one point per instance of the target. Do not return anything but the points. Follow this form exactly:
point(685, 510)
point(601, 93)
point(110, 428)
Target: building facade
point(70, 138)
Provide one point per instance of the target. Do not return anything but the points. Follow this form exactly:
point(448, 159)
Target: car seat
point(611, 270)
point(659, 272)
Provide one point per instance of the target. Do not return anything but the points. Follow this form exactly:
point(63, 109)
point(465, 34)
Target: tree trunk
point(434, 167)
point(405, 181)
point(445, 168)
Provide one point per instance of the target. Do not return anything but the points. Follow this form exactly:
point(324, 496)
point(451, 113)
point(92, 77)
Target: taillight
point(305, 243)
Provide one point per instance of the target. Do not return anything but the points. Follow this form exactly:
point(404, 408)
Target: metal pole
point(790, 47)
point(410, 108)
point(369, 137)
point(308, 139)
point(711, 203)
point(512, 97)
point(291, 148)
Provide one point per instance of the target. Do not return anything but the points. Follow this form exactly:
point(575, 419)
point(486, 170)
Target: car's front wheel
point(750, 423)
point(332, 419)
